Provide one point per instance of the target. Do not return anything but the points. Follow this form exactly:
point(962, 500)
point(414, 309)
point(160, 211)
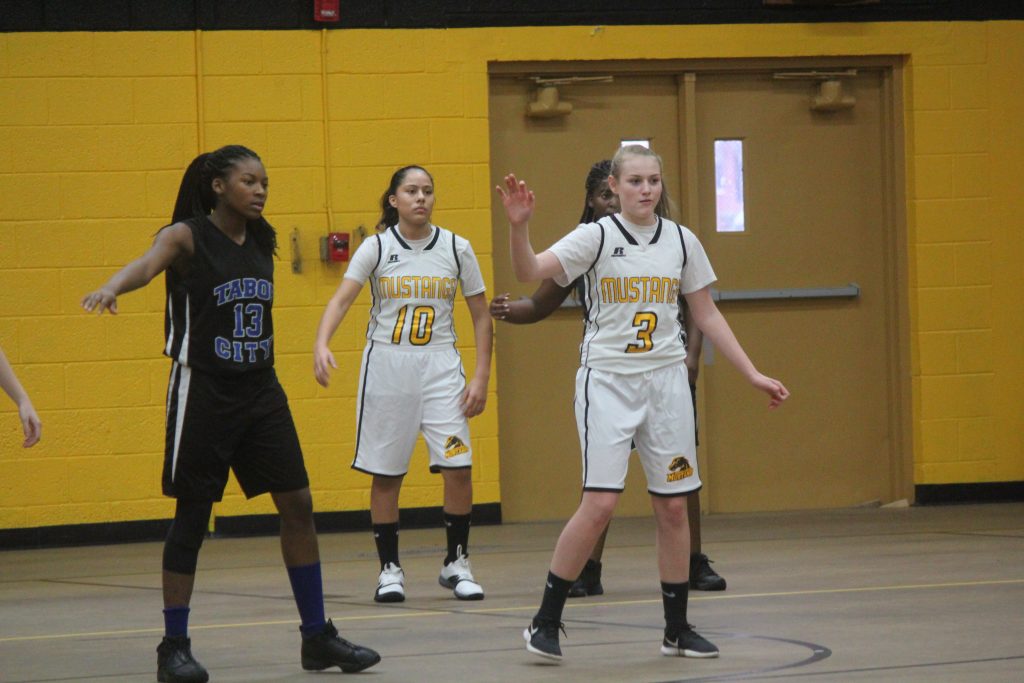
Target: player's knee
point(295, 507)
point(185, 537)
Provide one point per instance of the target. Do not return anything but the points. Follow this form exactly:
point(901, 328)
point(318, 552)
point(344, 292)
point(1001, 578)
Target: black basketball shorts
point(216, 423)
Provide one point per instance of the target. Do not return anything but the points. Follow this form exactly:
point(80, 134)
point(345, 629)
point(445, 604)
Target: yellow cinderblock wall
point(96, 128)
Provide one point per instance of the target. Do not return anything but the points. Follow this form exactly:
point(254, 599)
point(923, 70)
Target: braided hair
point(197, 199)
point(598, 174)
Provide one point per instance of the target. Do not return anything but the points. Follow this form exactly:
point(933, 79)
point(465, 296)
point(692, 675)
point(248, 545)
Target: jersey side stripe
point(183, 354)
point(371, 324)
point(179, 421)
point(168, 348)
point(362, 402)
point(594, 305)
point(586, 427)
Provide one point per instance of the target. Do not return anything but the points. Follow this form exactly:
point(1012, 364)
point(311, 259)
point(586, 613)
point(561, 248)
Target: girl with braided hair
point(225, 406)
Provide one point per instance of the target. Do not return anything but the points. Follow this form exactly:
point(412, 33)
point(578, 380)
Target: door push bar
point(850, 291)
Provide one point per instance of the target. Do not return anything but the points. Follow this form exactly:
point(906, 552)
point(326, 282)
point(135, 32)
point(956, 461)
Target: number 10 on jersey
point(421, 325)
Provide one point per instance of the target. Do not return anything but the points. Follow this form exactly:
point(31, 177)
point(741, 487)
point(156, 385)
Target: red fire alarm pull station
point(334, 247)
point(326, 10)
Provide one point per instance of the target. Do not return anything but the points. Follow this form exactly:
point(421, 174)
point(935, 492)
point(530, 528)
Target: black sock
point(673, 598)
point(386, 537)
point(556, 591)
point(457, 528)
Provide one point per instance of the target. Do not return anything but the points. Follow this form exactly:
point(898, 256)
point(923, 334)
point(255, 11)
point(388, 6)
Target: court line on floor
point(392, 613)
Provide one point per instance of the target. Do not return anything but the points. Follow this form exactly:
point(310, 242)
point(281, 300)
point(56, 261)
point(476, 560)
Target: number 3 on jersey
point(645, 323)
point(421, 327)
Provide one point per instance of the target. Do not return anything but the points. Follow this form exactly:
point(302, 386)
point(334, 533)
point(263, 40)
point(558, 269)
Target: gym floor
point(883, 594)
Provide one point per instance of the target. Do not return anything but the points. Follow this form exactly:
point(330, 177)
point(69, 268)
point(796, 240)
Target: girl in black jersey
point(225, 407)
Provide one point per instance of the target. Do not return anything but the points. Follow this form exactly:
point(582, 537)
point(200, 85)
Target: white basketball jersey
point(413, 285)
point(632, 278)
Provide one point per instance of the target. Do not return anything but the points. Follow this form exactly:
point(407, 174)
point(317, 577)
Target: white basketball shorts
point(403, 392)
point(652, 409)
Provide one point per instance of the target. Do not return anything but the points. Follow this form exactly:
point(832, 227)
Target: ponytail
point(196, 198)
point(599, 173)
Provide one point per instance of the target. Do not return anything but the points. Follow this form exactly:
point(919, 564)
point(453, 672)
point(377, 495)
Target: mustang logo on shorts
point(453, 446)
point(678, 469)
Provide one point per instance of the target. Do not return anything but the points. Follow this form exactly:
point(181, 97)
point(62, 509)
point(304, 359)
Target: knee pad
point(185, 537)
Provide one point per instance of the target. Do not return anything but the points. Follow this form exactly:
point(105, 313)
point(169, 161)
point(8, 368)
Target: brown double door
point(815, 223)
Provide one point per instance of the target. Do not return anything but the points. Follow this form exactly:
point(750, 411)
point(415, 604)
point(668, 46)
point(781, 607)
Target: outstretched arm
point(337, 307)
point(710, 320)
point(474, 398)
point(30, 423)
point(170, 244)
point(542, 303)
point(527, 265)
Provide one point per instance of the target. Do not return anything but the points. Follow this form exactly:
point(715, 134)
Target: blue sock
point(176, 621)
point(308, 589)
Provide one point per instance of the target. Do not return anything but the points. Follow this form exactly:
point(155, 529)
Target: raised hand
point(518, 200)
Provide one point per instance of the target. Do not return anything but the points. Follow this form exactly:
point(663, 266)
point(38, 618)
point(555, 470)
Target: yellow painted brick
point(328, 419)
point(30, 292)
point(382, 143)
point(23, 102)
point(473, 224)
point(69, 513)
point(67, 338)
point(486, 423)
point(972, 175)
point(933, 176)
point(32, 481)
point(164, 100)
point(952, 220)
point(13, 517)
point(103, 479)
point(958, 131)
point(45, 384)
point(38, 149)
point(969, 86)
point(453, 185)
point(459, 141)
point(7, 135)
point(475, 88)
point(938, 353)
point(352, 97)
point(90, 101)
point(936, 265)
point(939, 440)
point(143, 53)
point(295, 372)
point(294, 143)
point(290, 52)
point(166, 146)
point(296, 190)
point(952, 43)
point(102, 195)
point(359, 186)
point(152, 508)
point(974, 263)
point(3, 55)
point(135, 336)
point(50, 54)
point(252, 135)
point(974, 351)
point(8, 248)
point(956, 396)
point(231, 52)
point(373, 52)
point(423, 95)
point(123, 239)
point(29, 196)
point(252, 98)
point(77, 431)
point(930, 88)
point(159, 375)
point(9, 338)
point(977, 439)
point(107, 385)
point(482, 187)
point(311, 89)
point(958, 472)
point(954, 308)
point(161, 193)
point(50, 244)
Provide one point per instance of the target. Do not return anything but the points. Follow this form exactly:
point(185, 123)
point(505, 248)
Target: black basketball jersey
point(218, 314)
